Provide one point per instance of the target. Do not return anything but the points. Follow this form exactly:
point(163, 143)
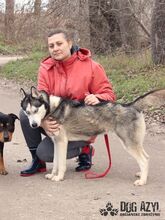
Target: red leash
point(92, 175)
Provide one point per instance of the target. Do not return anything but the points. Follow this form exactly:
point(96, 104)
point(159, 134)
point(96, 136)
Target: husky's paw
point(3, 172)
point(57, 178)
point(49, 176)
point(139, 182)
point(138, 174)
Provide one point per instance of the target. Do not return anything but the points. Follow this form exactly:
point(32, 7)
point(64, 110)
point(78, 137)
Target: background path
point(25, 198)
point(5, 59)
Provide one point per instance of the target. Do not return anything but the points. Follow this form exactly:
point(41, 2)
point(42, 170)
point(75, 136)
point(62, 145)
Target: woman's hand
point(50, 126)
point(91, 99)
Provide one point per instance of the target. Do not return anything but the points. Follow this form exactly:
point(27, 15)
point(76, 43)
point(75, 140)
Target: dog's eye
point(1, 126)
point(35, 111)
point(27, 112)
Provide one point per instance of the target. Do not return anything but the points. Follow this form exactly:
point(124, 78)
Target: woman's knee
point(45, 150)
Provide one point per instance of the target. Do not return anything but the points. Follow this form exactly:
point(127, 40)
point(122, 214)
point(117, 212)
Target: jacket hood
point(81, 54)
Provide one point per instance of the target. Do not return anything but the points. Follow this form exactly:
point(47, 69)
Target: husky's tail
point(152, 99)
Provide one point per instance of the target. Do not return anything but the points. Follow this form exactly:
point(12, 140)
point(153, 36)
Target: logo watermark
point(143, 208)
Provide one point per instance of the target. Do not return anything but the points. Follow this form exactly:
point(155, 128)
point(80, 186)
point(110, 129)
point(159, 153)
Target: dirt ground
point(76, 198)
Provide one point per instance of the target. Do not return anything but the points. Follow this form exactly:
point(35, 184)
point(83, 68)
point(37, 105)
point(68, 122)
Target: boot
point(37, 166)
point(85, 159)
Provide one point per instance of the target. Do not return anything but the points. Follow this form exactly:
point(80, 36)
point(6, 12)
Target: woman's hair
point(67, 34)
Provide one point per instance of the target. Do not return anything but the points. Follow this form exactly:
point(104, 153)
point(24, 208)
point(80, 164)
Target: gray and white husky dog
point(79, 122)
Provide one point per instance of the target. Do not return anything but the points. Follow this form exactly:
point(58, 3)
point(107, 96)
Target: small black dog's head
point(7, 126)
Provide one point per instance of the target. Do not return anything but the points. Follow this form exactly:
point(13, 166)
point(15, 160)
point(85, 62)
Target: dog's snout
point(6, 136)
point(6, 139)
point(34, 125)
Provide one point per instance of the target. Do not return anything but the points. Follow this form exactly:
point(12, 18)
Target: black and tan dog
point(7, 126)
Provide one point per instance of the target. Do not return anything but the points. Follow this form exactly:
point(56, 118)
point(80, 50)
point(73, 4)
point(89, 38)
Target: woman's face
point(59, 47)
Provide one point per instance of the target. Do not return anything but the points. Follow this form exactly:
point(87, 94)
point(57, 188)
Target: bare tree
point(37, 15)
point(104, 26)
point(73, 14)
point(158, 33)
point(128, 26)
point(37, 7)
point(9, 20)
point(113, 26)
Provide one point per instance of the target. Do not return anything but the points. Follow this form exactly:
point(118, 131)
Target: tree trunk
point(158, 33)
point(37, 14)
point(9, 21)
point(113, 26)
point(104, 27)
point(37, 8)
point(128, 26)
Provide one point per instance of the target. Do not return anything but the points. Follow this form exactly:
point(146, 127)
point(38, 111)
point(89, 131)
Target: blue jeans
point(42, 145)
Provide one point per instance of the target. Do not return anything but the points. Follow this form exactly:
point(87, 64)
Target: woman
point(68, 72)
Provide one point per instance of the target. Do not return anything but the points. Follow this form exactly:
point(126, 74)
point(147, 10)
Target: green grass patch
point(23, 69)
point(23, 47)
point(7, 50)
point(133, 76)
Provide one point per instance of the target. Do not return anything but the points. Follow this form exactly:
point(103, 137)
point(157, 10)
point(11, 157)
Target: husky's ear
point(34, 92)
point(43, 96)
point(22, 91)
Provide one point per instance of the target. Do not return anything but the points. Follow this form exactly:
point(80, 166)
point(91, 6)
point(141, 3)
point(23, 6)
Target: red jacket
point(75, 77)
